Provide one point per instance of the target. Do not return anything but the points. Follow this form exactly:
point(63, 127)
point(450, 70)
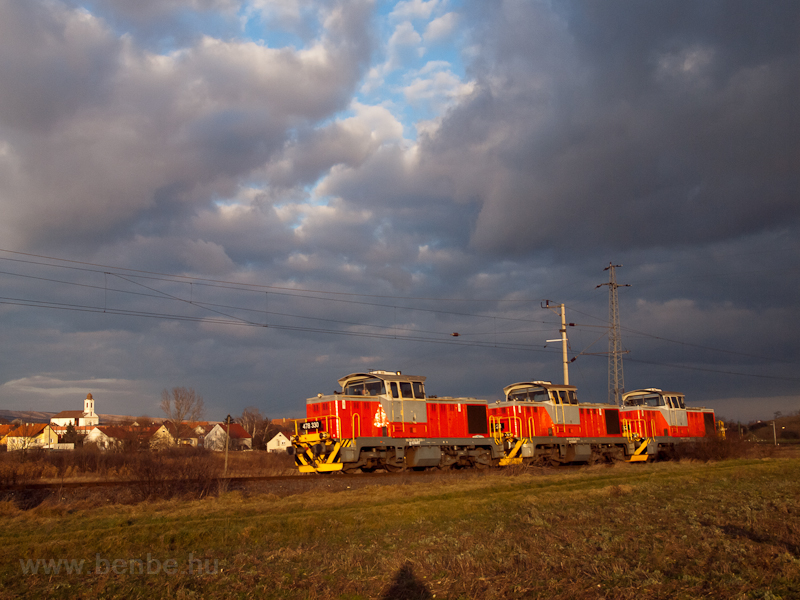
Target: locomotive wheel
point(394, 468)
point(482, 460)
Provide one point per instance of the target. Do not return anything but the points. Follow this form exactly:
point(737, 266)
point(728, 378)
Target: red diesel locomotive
point(385, 420)
point(544, 423)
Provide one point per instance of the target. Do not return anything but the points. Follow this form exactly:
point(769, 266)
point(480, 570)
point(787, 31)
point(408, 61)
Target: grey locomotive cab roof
point(646, 391)
point(542, 384)
point(384, 375)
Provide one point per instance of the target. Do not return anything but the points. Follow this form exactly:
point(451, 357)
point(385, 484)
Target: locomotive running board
point(640, 455)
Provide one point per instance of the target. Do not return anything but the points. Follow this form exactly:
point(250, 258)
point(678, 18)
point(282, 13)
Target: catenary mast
point(616, 379)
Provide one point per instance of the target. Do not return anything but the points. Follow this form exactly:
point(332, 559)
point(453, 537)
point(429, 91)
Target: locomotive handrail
point(629, 431)
point(327, 419)
point(356, 416)
point(493, 430)
point(531, 427)
point(517, 420)
point(497, 432)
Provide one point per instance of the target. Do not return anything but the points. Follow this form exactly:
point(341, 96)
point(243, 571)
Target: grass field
point(728, 529)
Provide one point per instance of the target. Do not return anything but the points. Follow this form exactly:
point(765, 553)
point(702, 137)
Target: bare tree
point(255, 424)
point(182, 405)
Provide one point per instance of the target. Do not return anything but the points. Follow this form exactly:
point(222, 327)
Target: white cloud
point(414, 9)
point(402, 47)
point(55, 386)
point(378, 120)
point(441, 28)
point(133, 131)
point(440, 88)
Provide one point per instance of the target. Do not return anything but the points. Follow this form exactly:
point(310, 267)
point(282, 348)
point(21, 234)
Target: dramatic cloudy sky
point(254, 198)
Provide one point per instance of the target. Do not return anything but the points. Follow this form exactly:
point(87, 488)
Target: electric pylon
point(616, 378)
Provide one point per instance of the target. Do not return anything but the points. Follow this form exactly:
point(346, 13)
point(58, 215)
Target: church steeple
point(88, 406)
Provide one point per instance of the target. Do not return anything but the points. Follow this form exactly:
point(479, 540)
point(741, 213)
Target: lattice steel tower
point(616, 379)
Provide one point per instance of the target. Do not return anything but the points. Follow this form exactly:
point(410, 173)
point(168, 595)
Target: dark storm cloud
point(608, 118)
point(662, 137)
point(53, 62)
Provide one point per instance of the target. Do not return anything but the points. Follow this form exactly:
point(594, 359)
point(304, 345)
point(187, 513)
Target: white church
point(78, 418)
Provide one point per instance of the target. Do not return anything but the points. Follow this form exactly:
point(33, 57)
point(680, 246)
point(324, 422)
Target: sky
point(254, 198)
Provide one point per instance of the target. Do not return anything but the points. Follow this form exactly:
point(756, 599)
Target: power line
point(224, 318)
point(705, 369)
point(188, 278)
point(664, 339)
point(242, 323)
point(250, 288)
point(386, 336)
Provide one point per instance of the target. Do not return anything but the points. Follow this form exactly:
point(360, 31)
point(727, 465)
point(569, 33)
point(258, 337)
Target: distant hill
point(28, 416)
point(33, 416)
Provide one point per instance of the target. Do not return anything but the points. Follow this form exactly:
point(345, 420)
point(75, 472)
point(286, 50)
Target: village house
point(31, 435)
point(78, 418)
point(61, 430)
point(5, 429)
point(129, 437)
point(278, 443)
point(238, 436)
point(191, 433)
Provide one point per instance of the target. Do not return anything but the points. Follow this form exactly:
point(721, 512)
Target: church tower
point(88, 406)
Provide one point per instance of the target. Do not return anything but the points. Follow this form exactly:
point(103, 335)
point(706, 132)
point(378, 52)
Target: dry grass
point(667, 530)
point(90, 464)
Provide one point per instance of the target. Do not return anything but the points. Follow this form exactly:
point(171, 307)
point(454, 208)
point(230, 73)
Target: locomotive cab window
point(373, 387)
point(419, 390)
point(528, 395)
point(654, 400)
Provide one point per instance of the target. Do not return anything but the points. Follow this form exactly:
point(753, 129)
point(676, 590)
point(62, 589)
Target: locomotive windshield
point(408, 389)
point(532, 394)
point(675, 401)
point(371, 387)
point(377, 387)
point(653, 400)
